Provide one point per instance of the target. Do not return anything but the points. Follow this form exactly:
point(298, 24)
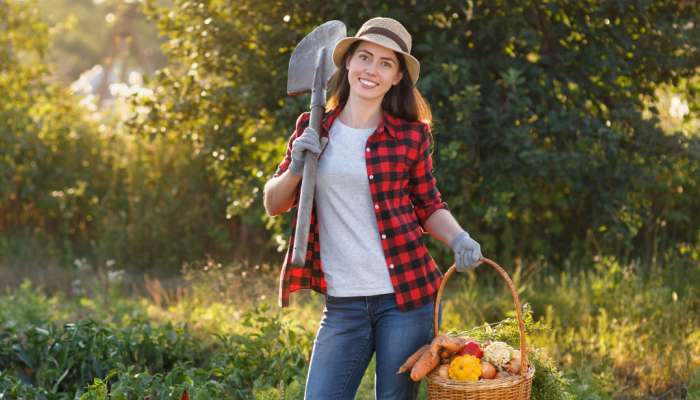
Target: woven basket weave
point(514, 387)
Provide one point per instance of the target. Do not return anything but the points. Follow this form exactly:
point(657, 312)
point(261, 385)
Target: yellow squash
point(465, 368)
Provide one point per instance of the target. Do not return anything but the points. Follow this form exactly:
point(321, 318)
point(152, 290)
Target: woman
point(375, 196)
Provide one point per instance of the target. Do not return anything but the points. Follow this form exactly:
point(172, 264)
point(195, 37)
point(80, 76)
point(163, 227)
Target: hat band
point(386, 32)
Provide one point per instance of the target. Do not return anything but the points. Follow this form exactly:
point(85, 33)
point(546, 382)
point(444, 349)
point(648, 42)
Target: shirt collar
point(387, 123)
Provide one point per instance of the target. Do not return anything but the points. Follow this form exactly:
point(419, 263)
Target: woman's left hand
point(467, 252)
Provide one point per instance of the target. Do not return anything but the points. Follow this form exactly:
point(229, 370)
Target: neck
point(361, 113)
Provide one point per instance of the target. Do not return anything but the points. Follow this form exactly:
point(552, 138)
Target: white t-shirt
point(351, 251)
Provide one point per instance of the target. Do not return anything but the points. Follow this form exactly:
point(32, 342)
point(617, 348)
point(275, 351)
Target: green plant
point(268, 353)
point(90, 360)
point(12, 387)
point(628, 331)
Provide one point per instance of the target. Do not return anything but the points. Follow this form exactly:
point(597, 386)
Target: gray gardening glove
point(307, 141)
point(467, 252)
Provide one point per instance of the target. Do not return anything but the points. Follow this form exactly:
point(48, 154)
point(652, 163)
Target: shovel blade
point(302, 64)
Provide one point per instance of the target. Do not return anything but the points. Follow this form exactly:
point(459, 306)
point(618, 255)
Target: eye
point(387, 64)
point(363, 56)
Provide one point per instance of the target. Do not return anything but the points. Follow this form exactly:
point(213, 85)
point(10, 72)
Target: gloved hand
point(467, 252)
point(308, 140)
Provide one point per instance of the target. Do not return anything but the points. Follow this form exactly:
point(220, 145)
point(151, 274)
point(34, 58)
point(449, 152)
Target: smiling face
point(372, 71)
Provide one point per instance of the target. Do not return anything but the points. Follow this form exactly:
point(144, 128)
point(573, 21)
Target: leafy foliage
point(624, 329)
point(53, 171)
point(547, 137)
point(539, 123)
point(73, 187)
point(606, 332)
point(91, 360)
point(557, 155)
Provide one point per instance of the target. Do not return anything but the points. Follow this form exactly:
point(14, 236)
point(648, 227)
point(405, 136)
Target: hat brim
point(412, 64)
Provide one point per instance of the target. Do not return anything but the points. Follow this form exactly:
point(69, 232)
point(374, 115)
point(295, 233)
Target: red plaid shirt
point(404, 193)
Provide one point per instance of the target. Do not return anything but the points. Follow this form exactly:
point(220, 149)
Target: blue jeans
point(354, 328)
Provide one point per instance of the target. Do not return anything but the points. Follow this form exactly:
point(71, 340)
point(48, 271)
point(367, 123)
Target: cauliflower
point(498, 354)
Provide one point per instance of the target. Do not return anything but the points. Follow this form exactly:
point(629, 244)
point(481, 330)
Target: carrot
point(445, 354)
point(449, 343)
point(436, 343)
point(410, 361)
point(426, 363)
point(453, 344)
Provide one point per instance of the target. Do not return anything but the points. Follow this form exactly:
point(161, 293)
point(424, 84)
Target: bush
point(92, 360)
point(75, 186)
point(545, 128)
point(546, 136)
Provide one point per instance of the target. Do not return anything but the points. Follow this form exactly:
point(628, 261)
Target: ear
point(398, 78)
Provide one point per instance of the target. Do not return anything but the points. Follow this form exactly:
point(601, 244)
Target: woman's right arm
point(280, 192)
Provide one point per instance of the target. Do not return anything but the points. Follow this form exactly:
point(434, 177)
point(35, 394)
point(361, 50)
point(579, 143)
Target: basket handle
point(518, 312)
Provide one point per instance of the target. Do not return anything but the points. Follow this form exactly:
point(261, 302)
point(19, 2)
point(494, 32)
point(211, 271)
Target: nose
point(371, 68)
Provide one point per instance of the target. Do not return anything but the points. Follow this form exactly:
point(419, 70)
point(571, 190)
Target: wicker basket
point(514, 387)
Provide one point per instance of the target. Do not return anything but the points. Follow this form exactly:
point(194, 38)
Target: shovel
point(310, 67)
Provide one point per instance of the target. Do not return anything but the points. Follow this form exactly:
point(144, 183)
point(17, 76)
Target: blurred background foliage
point(562, 130)
point(86, 33)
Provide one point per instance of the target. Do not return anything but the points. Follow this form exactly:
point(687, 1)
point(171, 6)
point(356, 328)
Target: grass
point(615, 331)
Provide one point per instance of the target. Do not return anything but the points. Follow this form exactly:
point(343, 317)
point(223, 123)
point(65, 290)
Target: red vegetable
point(471, 348)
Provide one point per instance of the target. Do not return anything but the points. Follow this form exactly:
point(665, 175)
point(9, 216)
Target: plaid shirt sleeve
point(424, 194)
point(309, 276)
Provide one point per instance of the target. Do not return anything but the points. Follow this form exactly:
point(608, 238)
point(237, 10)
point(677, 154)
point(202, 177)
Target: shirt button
point(383, 236)
point(371, 177)
point(391, 266)
point(376, 206)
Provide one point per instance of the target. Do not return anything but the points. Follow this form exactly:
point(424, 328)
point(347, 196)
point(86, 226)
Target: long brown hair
point(402, 100)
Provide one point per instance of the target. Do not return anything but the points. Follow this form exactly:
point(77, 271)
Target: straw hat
point(385, 32)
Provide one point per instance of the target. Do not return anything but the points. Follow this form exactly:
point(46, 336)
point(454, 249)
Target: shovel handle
point(306, 197)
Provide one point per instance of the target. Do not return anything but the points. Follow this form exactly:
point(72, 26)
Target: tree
point(54, 171)
point(87, 33)
point(546, 135)
point(540, 143)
